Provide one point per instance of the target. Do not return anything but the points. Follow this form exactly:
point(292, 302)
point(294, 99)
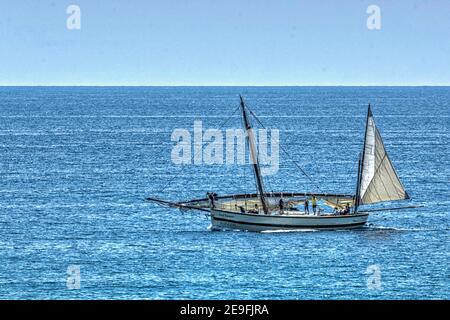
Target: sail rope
point(314, 183)
point(267, 181)
point(198, 152)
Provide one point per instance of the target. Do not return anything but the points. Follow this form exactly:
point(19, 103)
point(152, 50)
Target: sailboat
point(377, 181)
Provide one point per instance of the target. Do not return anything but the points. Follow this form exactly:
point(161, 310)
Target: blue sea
point(76, 164)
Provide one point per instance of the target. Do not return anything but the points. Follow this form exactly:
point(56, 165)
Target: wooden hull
point(228, 220)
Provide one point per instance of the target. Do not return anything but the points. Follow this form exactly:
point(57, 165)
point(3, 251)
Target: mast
point(254, 156)
point(361, 160)
point(358, 184)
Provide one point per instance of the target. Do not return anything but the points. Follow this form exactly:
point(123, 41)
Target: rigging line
point(382, 163)
point(396, 175)
point(382, 182)
point(290, 158)
point(200, 150)
point(370, 184)
point(386, 156)
point(293, 161)
point(355, 165)
point(267, 180)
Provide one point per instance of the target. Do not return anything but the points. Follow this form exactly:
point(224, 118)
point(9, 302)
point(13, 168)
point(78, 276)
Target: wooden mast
point(358, 184)
point(361, 161)
point(254, 156)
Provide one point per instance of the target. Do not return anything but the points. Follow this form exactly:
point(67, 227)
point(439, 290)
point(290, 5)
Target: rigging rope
point(200, 150)
point(290, 158)
point(245, 173)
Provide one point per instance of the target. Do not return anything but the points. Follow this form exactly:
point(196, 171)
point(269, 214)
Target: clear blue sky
point(224, 42)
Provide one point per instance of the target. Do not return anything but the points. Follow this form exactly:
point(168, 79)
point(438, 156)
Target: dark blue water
point(76, 163)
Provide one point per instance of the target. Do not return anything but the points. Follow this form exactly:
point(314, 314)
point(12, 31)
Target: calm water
point(76, 163)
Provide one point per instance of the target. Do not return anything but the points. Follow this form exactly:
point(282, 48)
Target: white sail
point(379, 181)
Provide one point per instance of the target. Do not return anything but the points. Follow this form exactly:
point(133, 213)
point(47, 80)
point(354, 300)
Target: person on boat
point(281, 205)
point(346, 209)
point(211, 199)
point(255, 210)
point(306, 206)
point(314, 204)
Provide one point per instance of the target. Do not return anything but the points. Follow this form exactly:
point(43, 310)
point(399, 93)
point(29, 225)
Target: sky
point(225, 42)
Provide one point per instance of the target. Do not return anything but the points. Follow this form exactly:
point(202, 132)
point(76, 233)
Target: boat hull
point(228, 220)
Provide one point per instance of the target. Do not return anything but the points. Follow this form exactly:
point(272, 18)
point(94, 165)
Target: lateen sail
point(379, 181)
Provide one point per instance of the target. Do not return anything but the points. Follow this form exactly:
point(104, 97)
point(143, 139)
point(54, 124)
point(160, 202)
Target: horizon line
point(224, 85)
